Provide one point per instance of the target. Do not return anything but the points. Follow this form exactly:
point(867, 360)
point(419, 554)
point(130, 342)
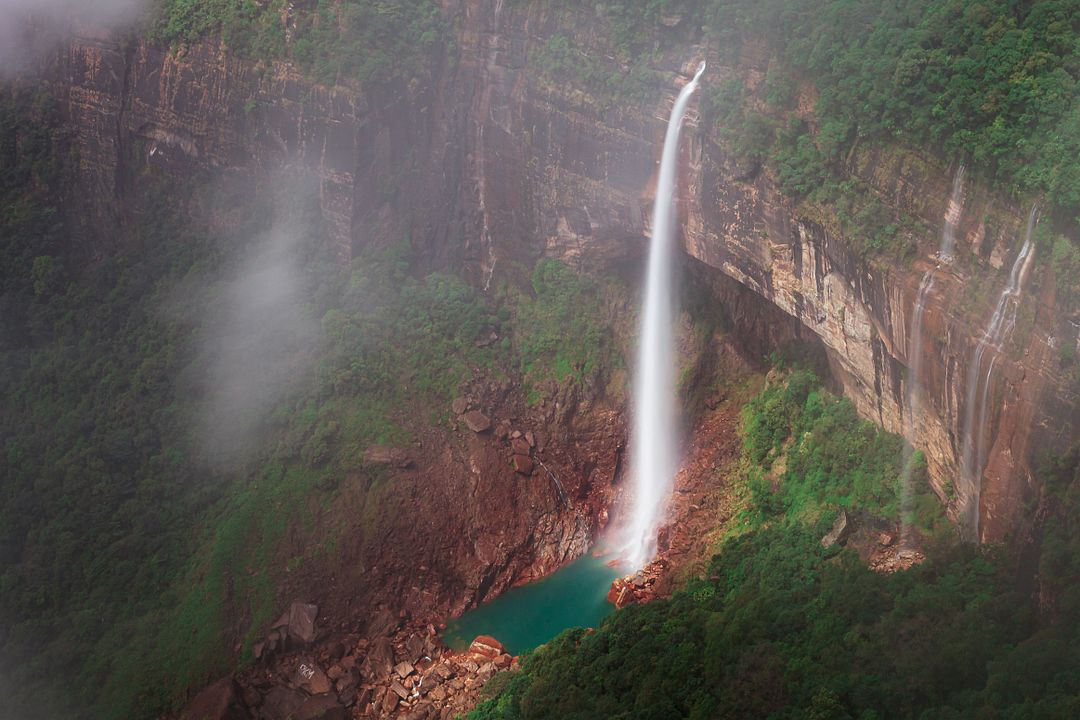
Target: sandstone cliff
point(485, 165)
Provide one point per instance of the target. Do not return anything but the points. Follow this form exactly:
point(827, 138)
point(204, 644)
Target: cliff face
point(489, 165)
point(582, 190)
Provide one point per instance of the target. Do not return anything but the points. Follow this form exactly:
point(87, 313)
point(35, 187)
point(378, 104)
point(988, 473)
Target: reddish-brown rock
point(487, 646)
point(219, 701)
point(523, 464)
point(477, 421)
point(381, 455)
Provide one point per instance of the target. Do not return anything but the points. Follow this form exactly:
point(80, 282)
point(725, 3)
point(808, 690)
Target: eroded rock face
point(503, 167)
point(582, 193)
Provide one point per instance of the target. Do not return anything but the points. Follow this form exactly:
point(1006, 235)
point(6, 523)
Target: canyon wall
point(585, 170)
point(488, 165)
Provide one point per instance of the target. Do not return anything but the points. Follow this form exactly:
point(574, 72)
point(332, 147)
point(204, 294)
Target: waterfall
point(654, 461)
point(973, 455)
point(952, 216)
point(945, 255)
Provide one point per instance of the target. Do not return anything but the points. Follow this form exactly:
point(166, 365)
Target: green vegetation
point(563, 335)
point(559, 57)
point(993, 81)
point(369, 41)
point(781, 627)
point(832, 458)
point(610, 54)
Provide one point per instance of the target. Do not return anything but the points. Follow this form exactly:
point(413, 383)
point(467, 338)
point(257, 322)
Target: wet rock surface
point(839, 532)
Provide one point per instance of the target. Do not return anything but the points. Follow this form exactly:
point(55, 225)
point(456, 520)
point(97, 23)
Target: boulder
point(486, 341)
point(523, 464)
point(502, 430)
point(416, 647)
point(388, 703)
point(520, 446)
point(404, 669)
point(219, 701)
point(382, 455)
point(459, 406)
point(530, 438)
point(621, 593)
point(311, 677)
point(380, 657)
point(503, 662)
point(477, 421)
point(364, 697)
point(321, 707)
point(399, 690)
point(487, 646)
point(382, 622)
point(349, 679)
point(839, 532)
point(281, 703)
point(302, 622)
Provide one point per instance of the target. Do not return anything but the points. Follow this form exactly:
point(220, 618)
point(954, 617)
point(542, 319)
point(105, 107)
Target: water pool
point(525, 617)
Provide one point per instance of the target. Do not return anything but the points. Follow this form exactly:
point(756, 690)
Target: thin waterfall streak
point(915, 353)
point(972, 455)
point(654, 462)
point(953, 214)
point(980, 450)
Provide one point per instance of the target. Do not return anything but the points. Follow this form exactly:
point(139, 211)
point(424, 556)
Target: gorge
point(470, 229)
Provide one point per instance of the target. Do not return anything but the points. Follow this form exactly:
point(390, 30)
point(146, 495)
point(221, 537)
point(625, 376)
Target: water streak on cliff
point(948, 241)
point(973, 456)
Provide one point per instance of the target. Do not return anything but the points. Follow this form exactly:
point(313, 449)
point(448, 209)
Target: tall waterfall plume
point(945, 255)
point(976, 408)
point(654, 454)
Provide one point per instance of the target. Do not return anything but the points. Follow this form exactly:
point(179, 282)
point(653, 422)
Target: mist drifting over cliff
point(255, 329)
point(29, 28)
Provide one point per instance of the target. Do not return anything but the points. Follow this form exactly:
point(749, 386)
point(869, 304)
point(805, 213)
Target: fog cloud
point(29, 28)
point(259, 336)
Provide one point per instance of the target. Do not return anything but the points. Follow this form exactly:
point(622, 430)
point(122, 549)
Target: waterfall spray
point(654, 456)
point(948, 240)
point(973, 455)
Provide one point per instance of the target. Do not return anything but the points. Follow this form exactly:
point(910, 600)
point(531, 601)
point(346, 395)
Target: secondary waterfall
point(973, 456)
point(945, 249)
point(654, 456)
